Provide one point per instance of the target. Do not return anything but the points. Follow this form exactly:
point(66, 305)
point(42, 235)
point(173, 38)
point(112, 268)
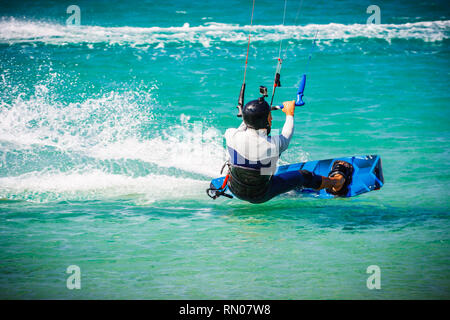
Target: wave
point(14, 31)
point(96, 184)
point(112, 126)
point(101, 147)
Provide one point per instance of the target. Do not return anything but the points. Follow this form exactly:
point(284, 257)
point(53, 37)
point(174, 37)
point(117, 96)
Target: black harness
point(245, 183)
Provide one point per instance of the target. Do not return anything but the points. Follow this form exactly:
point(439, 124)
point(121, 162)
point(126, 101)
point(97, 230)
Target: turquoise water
point(111, 131)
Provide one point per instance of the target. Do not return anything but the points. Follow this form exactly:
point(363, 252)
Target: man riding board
point(254, 154)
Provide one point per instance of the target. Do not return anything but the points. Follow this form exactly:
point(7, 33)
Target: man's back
point(254, 149)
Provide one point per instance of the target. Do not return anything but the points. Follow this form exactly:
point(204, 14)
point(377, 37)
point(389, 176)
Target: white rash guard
point(254, 149)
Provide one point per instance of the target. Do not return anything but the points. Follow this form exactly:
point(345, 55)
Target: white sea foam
point(188, 150)
point(75, 126)
point(14, 31)
point(104, 132)
point(85, 184)
point(109, 127)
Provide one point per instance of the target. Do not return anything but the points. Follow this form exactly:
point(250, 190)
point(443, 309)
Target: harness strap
point(213, 192)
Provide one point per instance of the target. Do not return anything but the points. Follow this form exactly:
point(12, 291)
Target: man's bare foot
point(338, 182)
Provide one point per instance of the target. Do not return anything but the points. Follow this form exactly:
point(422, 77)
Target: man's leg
point(291, 180)
point(317, 182)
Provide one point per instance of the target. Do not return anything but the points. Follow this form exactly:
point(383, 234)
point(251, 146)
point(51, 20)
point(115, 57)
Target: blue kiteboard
point(367, 175)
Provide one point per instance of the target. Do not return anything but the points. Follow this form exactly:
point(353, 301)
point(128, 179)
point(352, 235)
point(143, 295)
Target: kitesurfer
point(254, 154)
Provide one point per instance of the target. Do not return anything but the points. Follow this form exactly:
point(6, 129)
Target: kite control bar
point(299, 102)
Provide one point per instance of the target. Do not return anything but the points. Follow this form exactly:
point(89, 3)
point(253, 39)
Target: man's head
point(257, 115)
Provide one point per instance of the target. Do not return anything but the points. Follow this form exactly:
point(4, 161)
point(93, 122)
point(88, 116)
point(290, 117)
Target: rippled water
point(111, 131)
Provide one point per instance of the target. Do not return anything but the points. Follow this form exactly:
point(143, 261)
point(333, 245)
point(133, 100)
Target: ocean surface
point(110, 132)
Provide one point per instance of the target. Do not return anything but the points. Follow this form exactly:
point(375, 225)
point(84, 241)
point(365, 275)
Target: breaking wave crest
point(14, 31)
point(102, 147)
